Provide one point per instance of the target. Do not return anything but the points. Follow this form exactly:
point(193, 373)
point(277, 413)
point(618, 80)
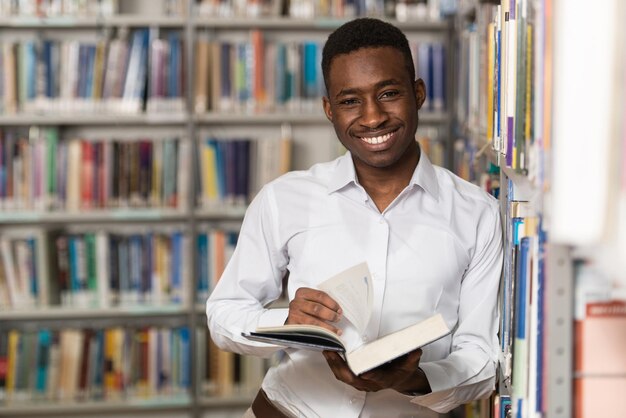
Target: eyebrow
point(379, 85)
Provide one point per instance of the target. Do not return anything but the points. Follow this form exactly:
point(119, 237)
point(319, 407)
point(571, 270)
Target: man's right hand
point(314, 307)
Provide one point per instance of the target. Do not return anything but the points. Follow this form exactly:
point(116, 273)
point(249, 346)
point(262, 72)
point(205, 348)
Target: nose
point(373, 114)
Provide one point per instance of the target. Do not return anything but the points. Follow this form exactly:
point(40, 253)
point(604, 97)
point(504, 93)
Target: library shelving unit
point(559, 193)
point(147, 314)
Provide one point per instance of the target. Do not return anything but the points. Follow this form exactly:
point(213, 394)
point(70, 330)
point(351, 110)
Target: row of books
point(257, 75)
point(44, 75)
point(225, 374)
point(39, 171)
point(401, 10)
point(522, 298)
point(266, 75)
point(58, 8)
point(497, 78)
point(93, 269)
point(93, 363)
point(231, 170)
point(214, 248)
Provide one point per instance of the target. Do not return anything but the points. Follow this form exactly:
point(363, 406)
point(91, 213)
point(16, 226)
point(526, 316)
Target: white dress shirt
point(436, 248)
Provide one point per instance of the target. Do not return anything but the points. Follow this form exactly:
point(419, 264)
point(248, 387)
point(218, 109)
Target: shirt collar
point(343, 174)
point(424, 175)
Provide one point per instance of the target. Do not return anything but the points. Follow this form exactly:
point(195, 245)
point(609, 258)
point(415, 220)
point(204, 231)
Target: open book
point(352, 290)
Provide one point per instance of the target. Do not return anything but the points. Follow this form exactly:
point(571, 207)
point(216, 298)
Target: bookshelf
point(513, 114)
point(98, 121)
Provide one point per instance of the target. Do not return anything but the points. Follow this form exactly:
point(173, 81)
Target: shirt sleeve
point(252, 279)
point(468, 373)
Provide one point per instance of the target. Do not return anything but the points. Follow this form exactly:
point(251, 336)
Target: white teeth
point(377, 139)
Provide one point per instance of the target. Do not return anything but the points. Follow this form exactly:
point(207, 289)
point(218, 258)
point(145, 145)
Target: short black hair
point(365, 32)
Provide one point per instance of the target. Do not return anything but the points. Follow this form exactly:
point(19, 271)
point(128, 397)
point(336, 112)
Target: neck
point(383, 185)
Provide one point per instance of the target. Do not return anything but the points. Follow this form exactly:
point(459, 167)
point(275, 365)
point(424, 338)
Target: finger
point(317, 310)
point(314, 295)
point(298, 317)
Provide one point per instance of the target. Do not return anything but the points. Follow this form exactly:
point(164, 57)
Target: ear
point(420, 92)
point(327, 109)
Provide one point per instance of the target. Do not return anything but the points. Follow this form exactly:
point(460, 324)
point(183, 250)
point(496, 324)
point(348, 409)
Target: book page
point(352, 290)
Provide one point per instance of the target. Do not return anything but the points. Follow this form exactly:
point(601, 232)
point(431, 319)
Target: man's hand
point(314, 307)
point(402, 374)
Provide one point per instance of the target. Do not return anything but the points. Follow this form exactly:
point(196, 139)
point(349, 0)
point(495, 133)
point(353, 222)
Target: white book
point(10, 272)
point(103, 267)
point(352, 290)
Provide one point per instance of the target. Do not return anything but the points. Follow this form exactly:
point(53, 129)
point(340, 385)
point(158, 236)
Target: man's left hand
point(402, 374)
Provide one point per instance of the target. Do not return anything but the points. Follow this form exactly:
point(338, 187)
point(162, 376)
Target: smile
point(377, 139)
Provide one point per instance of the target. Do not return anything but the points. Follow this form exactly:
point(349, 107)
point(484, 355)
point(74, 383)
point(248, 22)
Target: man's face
point(373, 102)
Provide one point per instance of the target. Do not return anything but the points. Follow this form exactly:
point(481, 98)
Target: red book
point(600, 364)
point(87, 175)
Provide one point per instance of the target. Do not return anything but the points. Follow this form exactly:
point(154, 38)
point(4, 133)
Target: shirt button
point(353, 400)
point(381, 221)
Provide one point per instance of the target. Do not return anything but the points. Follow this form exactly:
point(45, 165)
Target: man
point(431, 240)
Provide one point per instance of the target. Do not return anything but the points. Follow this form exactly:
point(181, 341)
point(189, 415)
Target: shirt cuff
point(273, 317)
point(437, 376)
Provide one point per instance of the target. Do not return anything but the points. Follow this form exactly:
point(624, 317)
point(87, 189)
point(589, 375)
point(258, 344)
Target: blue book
point(91, 58)
point(31, 70)
point(540, 315)
point(241, 150)
point(221, 168)
point(73, 255)
point(48, 70)
point(176, 264)
point(134, 261)
point(310, 70)
point(202, 247)
point(97, 383)
point(174, 65)
point(43, 352)
point(34, 279)
point(280, 71)
point(146, 264)
point(185, 356)
point(438, 76)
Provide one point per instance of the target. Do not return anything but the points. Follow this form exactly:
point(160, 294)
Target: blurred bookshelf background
point(134, 133)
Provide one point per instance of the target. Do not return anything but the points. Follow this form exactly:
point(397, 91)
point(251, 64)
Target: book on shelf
point(41, 172)
point(599, 360)
point(352, 290)
point(75, 364)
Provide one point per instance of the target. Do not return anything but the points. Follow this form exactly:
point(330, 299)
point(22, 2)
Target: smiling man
point(432, 242)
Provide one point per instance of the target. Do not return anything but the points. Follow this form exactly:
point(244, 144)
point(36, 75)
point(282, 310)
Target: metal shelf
point(321, 23)
point(102, 215)
point(229, 401)
point(292, 117)
point(161, 403)
point(85, 313)
point(78, 119)
point(71, 22)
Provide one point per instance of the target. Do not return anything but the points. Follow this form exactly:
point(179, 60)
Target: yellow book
point(209, 174)
point(529, 72)
point(14, 339)
point(98, 71)
point(490, 78)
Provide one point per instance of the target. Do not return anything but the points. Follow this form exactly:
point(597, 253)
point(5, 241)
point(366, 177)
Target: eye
point(389, 94)
point(348, 102)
